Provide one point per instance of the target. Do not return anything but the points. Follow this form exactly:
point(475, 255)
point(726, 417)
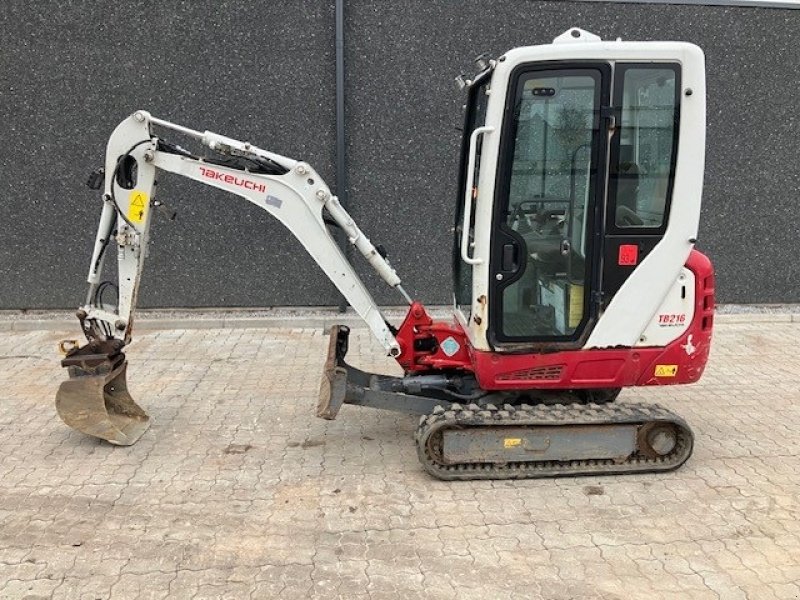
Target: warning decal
point(137, 209)
point(666, 370)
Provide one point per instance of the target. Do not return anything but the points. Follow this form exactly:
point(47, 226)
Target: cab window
point(644, 149)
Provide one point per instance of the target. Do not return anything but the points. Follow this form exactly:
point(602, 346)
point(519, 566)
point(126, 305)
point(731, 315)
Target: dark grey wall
point(264, 71)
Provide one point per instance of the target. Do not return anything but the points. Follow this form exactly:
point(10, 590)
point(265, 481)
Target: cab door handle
point(510, 259)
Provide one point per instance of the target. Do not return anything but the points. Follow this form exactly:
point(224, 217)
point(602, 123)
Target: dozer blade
point(333, 385)
point(95, 399)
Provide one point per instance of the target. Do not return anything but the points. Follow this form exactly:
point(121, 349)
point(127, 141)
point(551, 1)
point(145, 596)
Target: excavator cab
point(570, 162)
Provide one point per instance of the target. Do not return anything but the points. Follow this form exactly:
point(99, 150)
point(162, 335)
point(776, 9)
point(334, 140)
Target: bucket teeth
point(96, 402)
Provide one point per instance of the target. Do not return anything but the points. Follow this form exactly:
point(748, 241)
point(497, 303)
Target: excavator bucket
point(95, 399)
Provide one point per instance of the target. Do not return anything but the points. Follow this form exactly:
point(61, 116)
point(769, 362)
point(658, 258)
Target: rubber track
point(429, 434)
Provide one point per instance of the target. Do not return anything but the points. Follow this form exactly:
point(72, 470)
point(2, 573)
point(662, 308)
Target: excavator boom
point(95, 399)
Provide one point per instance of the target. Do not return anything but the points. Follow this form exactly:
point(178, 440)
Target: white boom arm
point(289, 190)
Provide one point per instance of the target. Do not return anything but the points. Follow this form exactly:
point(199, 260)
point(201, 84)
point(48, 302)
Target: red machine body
point(425, 348)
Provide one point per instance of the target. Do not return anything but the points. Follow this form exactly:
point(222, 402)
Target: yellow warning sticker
point(137, 209)
point(666, 370)
point(512, 442)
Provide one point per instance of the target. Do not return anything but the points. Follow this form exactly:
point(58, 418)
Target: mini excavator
point(574, 263)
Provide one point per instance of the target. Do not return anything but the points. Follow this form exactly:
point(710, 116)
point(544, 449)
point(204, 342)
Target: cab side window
point(462, 273)
point(643, 158)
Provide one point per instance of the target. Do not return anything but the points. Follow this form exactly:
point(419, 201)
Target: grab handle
point(473, 149)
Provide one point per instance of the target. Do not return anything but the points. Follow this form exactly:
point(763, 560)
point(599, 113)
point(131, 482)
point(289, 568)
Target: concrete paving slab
point(237, 490)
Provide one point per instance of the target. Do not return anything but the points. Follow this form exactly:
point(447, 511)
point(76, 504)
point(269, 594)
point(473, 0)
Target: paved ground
point(238, 491)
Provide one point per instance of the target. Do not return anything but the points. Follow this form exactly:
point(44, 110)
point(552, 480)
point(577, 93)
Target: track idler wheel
point(95, 399)
point(657, 439)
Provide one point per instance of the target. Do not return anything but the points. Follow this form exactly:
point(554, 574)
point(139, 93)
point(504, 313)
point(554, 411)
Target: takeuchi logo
point(232, 179)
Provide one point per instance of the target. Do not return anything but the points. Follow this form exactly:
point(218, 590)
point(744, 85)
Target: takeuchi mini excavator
point(575, 272)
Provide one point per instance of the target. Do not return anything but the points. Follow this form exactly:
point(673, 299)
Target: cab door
point(547, 229)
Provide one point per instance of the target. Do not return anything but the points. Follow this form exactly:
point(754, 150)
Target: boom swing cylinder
point(575, 268)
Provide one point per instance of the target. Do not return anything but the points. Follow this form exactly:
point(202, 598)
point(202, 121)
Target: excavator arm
point(291, 191)
point(95, 399)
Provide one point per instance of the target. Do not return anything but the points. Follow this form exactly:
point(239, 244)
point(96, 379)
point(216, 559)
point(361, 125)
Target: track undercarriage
point(467, 433)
